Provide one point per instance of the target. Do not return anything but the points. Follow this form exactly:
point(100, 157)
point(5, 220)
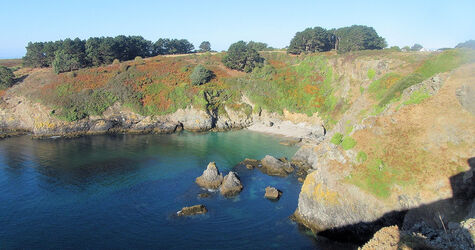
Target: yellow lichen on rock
point(319, 191)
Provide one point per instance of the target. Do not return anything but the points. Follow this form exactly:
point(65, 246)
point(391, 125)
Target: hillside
point(398, 126)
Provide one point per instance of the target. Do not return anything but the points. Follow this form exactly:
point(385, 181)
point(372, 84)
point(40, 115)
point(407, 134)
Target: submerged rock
point(250, 163)
point(231, 185)
point(204, 195)
point(272, 193)
point(277, 167)
point(196, 209)
point(211, 178)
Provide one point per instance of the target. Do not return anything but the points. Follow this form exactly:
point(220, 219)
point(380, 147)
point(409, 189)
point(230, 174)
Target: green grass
point(348, 143)
point(361, 157)
point(337, 138)
point(417, 97)
point(376, 178)
point(371, 73)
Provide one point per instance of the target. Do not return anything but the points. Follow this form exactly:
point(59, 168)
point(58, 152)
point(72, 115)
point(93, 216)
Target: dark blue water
point(123, 192)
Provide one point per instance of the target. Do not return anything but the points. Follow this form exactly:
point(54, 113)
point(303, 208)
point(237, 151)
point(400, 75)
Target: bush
point(138, 60)
point(348, 143)
point(6, 77)
point(242, 57)
point(201, 75)
point(116, 61)
point(337, 138)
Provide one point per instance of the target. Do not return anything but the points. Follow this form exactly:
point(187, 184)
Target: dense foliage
point(318, 39)
point(242, 57)
point(259, 46)
point(357, 37)
point(205, 46)
point(201, 75)
point(165, 46)
point(311, 40)
point(67, 55)
point(468, 44)
point(6, 77)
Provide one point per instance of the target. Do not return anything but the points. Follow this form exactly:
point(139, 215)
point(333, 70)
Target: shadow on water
point(436, 215)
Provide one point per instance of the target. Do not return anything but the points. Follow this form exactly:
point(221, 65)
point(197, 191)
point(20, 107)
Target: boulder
point(211, 178)
point(231, 185)
point(272, 193)
point(196, 209)
point(276, 167)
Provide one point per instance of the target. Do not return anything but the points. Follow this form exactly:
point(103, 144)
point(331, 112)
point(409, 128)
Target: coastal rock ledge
point(193, 210)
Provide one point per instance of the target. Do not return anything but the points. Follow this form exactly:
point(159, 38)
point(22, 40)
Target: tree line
point(66, 55)
point(345, 39)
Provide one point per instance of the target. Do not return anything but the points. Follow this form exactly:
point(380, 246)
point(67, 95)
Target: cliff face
point(411, 159)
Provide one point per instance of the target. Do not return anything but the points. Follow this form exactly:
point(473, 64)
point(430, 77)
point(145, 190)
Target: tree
point(65, 61)
point(311, 40)
point(6, 77)
point(416, 47)
point(205, 46)
point(35, 56)
point(258, 46)
point(357, 37)
point(241, 57)
point(468, 44)
point(201, 75)
point(165, 46)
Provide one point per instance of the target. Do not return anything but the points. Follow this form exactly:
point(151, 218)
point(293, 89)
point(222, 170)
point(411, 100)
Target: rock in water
point(272, 193)
point(231, 185)
point(273, 166)
point(196, 209)
point(211, 177)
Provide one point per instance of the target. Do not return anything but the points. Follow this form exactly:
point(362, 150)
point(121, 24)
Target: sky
point(433, 24)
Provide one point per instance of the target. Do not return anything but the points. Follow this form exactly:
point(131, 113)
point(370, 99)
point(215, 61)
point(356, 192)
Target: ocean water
point(123, 192)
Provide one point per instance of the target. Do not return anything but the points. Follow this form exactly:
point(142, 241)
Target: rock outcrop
point(387, 238)
point(272, 193)
point(231, 185)
point(211, 177)
point(193, 210)
point(276, 167)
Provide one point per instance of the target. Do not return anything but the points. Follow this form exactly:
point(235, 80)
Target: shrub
point(116, 61)
point(348, 143)
point(337, 138)
point(242, 57)
point(138, 60)
point(201, 75)
point(6, 77)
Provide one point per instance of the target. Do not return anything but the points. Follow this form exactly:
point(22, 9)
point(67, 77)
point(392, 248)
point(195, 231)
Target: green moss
point(348, 143)
point(371, 73)
point(337, 138)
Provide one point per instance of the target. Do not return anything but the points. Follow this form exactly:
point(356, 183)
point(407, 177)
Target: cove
point(123, 192)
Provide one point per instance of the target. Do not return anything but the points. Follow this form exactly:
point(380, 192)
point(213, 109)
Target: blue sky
point(434, 24)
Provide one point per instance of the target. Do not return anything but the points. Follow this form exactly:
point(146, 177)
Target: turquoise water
point(123, 192)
